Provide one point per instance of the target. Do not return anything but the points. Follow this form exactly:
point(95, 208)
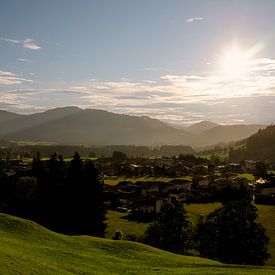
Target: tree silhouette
point(171, 231)
point(231, 234)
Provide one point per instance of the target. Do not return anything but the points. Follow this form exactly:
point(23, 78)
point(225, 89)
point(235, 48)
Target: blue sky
point(179, 61)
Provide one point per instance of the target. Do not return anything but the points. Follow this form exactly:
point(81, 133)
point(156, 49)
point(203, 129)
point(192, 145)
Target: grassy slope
point(27, 248)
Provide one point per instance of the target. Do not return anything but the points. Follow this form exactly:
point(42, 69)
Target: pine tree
point(84, 201)
point(93, 201)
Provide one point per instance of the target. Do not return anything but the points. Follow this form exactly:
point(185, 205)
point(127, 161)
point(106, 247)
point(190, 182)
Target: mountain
point(201, 126)
point(260, 146)
point(28, 121)
point(8, 116)
point(72, 125)
point(228, 133)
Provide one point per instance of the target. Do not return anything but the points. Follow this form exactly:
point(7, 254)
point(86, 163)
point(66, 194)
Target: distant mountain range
point(72, 125)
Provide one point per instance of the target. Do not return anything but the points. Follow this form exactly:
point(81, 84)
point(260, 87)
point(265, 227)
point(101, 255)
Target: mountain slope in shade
point(8, 116)
point(29, 121)
point(96, 127)
point(201, 126)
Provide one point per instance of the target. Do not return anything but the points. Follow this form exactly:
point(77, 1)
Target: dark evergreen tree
point(84, 199)
point(232, 234)
point(37, 166)
point(38, 172)
point(93, 209)
point(55, 191)
point(171, 231)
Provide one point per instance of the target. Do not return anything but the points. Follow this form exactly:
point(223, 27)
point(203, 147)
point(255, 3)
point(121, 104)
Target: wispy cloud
point(151, 69)
point(25, 60)
point(8, 78)
point(27, 43)
point(10, 40)
point(193, 19)
point(30, 44)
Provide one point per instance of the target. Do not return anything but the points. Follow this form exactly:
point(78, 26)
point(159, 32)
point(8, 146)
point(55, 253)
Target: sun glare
point(235, 63)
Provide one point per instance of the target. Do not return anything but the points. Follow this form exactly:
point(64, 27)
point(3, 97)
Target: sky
point(176, 60)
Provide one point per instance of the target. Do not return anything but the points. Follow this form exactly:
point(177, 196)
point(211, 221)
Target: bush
point(118, 235)
point(130, 237)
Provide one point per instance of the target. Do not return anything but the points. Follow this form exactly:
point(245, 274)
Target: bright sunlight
point(235, 63)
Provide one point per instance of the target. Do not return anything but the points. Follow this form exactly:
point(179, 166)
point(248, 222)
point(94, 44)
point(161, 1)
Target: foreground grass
point(27, 248)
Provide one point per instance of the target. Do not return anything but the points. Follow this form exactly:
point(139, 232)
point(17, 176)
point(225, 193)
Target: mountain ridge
point(72, 125)
point(201, 126)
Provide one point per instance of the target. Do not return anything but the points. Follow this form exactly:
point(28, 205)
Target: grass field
point(117, 221)
point(27, 248)
point(115, 181)
point(247, 176)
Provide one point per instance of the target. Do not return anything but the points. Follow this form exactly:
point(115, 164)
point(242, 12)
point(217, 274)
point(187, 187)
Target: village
point(142, 186)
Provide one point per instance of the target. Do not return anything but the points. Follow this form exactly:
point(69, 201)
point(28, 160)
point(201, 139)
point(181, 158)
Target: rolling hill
point(72, 125)
point(27, 248)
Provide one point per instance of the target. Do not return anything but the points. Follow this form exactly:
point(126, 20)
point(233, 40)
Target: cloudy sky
point(176, 60)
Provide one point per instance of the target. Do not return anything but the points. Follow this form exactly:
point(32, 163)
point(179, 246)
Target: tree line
point(65, 197)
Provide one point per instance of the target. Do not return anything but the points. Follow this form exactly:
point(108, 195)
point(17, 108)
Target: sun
point(235, 63)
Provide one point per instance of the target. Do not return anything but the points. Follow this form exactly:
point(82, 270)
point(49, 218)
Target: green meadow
point(27, 248)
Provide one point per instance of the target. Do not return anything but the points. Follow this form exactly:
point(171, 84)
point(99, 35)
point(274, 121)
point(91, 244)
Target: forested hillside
point(260, 146)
